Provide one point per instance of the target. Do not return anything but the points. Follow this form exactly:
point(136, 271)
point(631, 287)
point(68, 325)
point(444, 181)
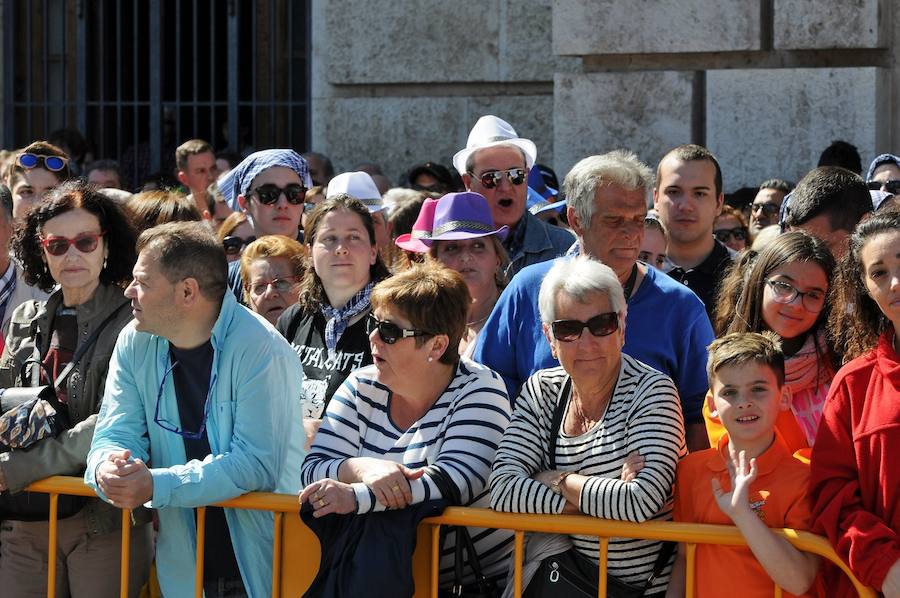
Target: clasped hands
point(388, 481)
point(126, 482)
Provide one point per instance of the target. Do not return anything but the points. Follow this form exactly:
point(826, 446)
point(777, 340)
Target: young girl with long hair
point(784, 289)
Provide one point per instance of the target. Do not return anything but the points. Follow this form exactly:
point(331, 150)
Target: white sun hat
point(359, 185)
point(490, 131)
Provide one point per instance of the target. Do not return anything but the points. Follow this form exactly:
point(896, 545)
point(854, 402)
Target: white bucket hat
point(490, 131)
point(359, 185)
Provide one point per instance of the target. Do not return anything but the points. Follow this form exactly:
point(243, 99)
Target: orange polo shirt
point(778, 495)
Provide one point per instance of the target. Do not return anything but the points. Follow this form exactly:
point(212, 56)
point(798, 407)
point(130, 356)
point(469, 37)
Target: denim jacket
point(254, 428)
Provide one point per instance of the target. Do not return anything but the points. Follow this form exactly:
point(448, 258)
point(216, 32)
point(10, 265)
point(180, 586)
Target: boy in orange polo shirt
point(749, 480)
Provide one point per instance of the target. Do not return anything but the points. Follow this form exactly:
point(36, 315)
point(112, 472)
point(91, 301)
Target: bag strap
point(79, 353)
point(555, 424)
point(666, 548)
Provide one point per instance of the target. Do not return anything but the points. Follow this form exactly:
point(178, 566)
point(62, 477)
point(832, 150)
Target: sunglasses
point(723, 234)
point(492, 178)
point(85, 243)
point(268, 194)
point(169, 426)
point(389, 332)
point(892, 186)
point(51, 163)
point(769, 209)
point(281, 285)
point(568, 331)
point(235, 245)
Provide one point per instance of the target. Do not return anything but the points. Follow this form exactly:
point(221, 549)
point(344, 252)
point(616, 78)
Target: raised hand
point(742, 472)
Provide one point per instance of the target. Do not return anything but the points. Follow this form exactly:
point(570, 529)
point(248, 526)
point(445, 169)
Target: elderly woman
point(271, 268)
point(327, 326)
point(606, 415)
point(419, 405)
point(465, 239)
point(79, 244)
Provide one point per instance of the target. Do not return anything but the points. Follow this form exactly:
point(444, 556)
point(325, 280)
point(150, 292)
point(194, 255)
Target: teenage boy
point(750, 480)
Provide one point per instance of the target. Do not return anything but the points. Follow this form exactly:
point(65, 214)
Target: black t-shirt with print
point(323, 375)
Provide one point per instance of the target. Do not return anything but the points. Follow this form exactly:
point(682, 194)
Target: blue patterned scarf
point(338, 318)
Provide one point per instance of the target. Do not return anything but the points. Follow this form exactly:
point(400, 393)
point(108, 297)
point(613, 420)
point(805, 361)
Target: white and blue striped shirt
point(459, 434)
point(644, 414)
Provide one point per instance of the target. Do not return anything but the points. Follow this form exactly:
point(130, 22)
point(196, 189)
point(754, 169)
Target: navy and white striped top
point(459, 434)
point(644, 414)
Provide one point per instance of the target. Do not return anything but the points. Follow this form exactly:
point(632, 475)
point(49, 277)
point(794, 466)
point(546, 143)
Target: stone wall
point(765, 84)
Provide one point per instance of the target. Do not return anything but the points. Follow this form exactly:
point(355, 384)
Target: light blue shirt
point(255, 433)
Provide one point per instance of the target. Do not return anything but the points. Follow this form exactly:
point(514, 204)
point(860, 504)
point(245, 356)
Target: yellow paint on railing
point(201, 548)
point(126, 553)
point(300, 551)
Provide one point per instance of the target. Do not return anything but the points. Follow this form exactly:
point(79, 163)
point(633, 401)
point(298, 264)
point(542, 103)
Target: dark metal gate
point(138, 77)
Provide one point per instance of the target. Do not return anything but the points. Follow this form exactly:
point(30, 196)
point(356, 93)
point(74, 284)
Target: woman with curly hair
point(854, 478)
point(79, 244)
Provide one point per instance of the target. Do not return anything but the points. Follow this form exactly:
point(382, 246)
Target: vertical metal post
point(155, 44)
point(234, 42)
point(119, 80)
point(9, 74)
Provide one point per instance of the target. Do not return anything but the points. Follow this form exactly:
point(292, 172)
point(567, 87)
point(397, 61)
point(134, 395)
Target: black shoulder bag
point(570, 573)
point(28, 506)
point(464, 548)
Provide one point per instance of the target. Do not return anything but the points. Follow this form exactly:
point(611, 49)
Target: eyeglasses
point(281, 285)
point(769, 209)
point(491, 178)
point(268, 194)
point(738, 233)
point(235, 245)
point(389, 332)
point(51, 163)
point(568, 331)
point(169, 426)
point(785, 293)
point(892, 186)
point(85, 243)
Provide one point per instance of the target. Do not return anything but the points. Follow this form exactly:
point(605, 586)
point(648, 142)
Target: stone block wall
point(765, 84)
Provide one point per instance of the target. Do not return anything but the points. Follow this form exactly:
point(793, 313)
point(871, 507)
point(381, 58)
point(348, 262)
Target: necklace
point(477, 322)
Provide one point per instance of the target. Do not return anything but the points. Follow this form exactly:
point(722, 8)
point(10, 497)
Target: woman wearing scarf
point(327, 326)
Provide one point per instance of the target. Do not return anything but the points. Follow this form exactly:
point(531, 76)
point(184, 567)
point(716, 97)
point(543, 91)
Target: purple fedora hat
point(420, 230)
point(463, 216)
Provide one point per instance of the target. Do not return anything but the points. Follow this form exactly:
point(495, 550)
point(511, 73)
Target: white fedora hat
point(359, 185)
point(488, 132)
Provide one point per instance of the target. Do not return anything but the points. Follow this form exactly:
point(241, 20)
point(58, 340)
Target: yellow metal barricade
point(296, 550)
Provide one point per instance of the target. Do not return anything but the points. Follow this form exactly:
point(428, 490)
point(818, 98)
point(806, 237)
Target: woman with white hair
point(614, 426)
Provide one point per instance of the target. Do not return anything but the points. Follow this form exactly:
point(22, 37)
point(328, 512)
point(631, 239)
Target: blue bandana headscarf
point(238, 180)
point(882, 159)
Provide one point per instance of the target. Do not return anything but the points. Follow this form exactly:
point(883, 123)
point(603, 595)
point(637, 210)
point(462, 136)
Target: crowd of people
point(629, 345)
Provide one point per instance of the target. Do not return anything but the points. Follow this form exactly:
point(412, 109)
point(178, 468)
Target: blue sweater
point(666, 328)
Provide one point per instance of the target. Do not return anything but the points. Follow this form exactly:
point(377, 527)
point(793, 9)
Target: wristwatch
point(556, 482)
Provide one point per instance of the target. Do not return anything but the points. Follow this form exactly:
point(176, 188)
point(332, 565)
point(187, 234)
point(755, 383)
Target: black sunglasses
point(568, 331)
point(169, 426)
point(892, 186)
point(51, 163)
point(492, 178)
point(723, 234)
point(235, 245)
point(769, 209)
point(389, 332)
point(268, 194)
